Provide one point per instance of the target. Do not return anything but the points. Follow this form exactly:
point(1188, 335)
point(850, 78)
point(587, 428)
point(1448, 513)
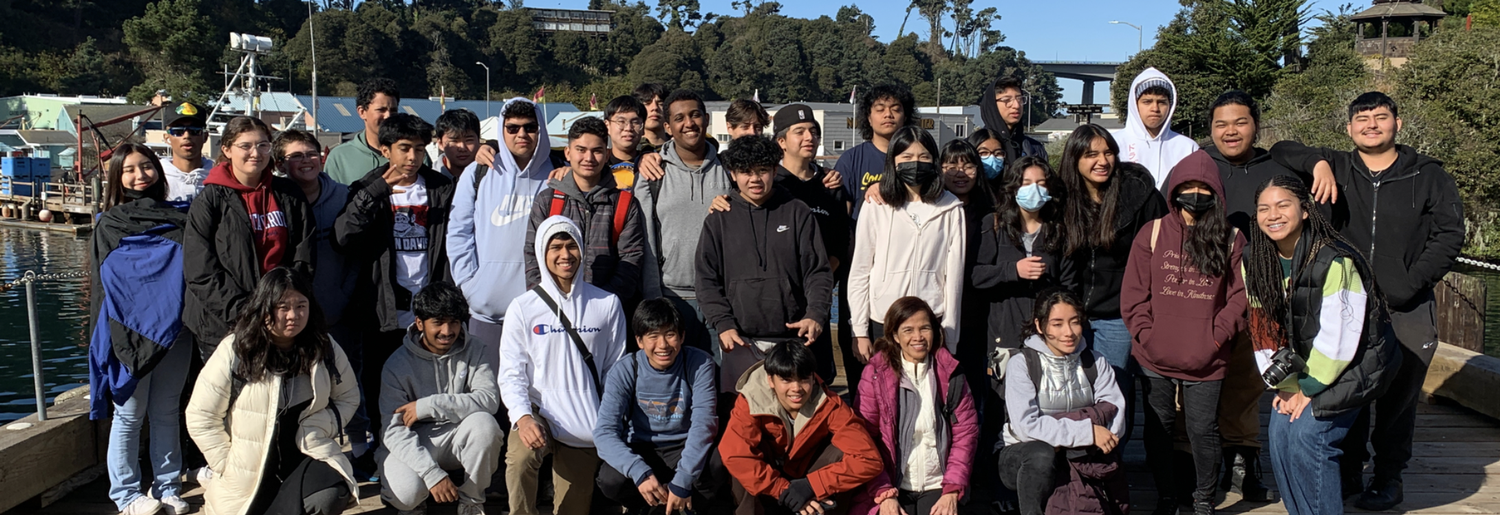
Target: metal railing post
point(36, 348)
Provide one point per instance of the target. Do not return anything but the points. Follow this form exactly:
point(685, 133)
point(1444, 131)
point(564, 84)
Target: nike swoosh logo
point(500, 220)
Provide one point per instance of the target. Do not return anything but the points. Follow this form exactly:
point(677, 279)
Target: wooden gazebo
point(1390, 28)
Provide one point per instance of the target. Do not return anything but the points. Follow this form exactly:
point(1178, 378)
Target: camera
point(1284, 363)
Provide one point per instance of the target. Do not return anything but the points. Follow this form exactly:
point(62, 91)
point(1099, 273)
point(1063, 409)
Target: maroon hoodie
point(267, 222)
point(1182, 320)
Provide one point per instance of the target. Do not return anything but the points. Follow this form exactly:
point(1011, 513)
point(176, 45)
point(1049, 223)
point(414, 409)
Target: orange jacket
point(759, 452)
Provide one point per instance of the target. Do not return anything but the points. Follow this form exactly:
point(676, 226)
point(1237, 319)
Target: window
point(960, 130)
point(724, 138)
point(838, 145)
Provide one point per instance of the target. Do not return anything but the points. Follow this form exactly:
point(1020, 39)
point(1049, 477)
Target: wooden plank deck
point(1455, 470)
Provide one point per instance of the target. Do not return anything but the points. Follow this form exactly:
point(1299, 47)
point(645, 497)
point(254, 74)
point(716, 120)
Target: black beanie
point(794, 114)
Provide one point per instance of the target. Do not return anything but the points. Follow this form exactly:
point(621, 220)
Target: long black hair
point(892, 190)
point(252, 333)
point(114, 187)
point(1206, 244)
point(1264, 283)
point(1008, 215)
point(1089, 223)
point(1042, 308)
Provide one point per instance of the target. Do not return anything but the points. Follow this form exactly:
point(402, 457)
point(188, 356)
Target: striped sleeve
point(1340, 326)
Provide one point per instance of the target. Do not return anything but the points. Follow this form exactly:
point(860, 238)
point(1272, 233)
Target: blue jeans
point(155, 400)
point(1108, 336)
point(1305, 459)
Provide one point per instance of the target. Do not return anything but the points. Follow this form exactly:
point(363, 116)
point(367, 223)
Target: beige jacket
point(236, 442)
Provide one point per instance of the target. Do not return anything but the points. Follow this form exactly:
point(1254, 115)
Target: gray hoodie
point(675, 207)
point(446, 388)
point(1064, 381)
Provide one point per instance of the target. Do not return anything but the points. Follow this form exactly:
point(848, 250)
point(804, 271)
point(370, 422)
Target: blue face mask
point(993, 164)
point(1032, 196)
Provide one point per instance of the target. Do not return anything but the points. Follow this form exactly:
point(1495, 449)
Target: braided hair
point(1264, 284)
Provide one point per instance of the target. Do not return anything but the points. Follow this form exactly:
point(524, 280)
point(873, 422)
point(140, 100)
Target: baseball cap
point(794, 114)
point(184, 113)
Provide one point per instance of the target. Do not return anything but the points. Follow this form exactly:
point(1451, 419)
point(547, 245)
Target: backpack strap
point(1033, 367)
point(558, 200)
point(1155, 231)
point(622, 209)
point(479, 173)
point(588, 357)
point(1087, 360)
point(956, 384)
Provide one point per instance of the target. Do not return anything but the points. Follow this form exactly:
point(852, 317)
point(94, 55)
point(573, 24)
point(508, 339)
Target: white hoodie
point(1158, 154)
point(541, 367)
point(896, 256)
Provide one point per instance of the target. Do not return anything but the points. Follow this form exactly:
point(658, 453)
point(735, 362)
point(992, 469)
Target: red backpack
point(622, 206)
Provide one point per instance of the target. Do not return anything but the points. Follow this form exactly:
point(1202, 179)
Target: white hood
point(540, 365)
point(551, 226)
point(1157, 153)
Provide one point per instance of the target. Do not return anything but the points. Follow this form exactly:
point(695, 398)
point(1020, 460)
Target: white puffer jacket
point(236, 442)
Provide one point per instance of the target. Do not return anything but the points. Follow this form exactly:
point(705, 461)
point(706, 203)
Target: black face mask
point(131, 194)
point(1196, 203)
point(917, 173)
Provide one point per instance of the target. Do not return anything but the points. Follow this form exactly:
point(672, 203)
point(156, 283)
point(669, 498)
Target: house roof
point(47, 137)
point(339, 114)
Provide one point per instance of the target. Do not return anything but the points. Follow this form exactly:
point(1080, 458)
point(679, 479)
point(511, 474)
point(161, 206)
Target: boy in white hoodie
point(560, 339)
point(1148, 138)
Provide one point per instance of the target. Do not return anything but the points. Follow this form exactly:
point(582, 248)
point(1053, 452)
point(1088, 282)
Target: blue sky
point(1068, 30)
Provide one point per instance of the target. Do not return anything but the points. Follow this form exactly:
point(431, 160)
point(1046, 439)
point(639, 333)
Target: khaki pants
point(573, 471)
point(1239, 400)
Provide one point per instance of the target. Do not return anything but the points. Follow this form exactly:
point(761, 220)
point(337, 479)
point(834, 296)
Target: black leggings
point(1030, 468)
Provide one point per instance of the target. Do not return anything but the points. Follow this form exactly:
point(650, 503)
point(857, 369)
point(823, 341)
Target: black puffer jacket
point(219, 254)
point(1101, 271)
point(1370, 372)
point(364, 232)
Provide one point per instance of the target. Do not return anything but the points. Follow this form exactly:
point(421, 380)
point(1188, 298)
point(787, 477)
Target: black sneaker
point(1203, 508)
point(1352, 486)
point(1383, 494)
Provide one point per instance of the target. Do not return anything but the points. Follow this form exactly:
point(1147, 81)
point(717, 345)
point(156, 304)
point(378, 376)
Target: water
point(1491, 306)
point(62, 318)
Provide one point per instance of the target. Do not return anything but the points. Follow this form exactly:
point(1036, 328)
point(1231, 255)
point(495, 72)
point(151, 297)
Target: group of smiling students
point(996, 313)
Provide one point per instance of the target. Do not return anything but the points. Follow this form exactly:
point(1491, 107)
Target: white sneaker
point(467, 508)
point(175, 505)
point(143, 505)
point(421, 509)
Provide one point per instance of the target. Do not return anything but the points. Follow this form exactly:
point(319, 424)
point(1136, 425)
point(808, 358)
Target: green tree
point(1309, 106)
point(1449, 95)
point(168, 43)
point(1486, 13)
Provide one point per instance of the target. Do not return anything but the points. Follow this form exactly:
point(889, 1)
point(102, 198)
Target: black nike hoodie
point(762, 267)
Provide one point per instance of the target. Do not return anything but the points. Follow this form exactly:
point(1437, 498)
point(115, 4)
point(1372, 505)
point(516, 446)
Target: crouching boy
point(791, 443)
point(441, 398)
point(658, 420)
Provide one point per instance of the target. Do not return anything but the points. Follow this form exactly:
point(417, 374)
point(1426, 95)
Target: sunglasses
point(179, 132)
point(530, 128)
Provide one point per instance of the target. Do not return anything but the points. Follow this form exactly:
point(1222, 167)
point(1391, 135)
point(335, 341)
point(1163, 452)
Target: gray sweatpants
point(472, 446)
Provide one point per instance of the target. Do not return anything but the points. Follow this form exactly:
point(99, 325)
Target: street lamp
point(1140, 33)
point(486, 88)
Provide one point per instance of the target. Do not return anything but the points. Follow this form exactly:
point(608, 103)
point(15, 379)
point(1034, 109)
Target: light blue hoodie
point(487, 228)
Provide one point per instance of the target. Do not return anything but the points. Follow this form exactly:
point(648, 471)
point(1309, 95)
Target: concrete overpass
point(1089, 72)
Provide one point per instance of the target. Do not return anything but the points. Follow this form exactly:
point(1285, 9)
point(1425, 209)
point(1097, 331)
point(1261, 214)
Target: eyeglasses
point(530, 128)
point(178, 132)
point(259, 147)
point(634, 123)
point(301, 155)
point(988, 153)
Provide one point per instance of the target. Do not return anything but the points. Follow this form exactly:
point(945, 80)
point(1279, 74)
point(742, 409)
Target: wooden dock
point(1455, 470)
